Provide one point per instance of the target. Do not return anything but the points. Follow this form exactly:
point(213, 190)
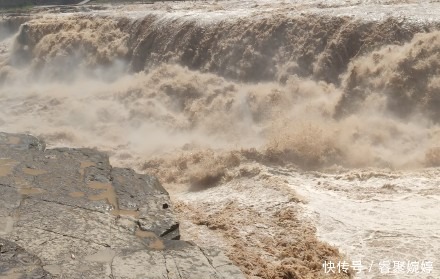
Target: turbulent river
point(290, 134)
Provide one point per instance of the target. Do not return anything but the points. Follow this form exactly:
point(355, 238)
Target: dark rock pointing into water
point(66, 213)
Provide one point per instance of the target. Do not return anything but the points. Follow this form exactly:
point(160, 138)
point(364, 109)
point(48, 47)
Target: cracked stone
point(68, 213)
point(16, 262)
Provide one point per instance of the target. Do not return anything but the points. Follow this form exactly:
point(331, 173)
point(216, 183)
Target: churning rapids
point(280, 128)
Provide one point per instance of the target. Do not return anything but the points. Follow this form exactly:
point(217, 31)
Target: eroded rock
point(15, 262)
point(67, 213)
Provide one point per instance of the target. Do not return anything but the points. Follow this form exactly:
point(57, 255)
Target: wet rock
point(21, 142)
point(67, 213)
point(15, 262)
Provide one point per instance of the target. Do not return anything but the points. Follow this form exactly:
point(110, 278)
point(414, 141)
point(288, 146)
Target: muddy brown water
point(209, 94)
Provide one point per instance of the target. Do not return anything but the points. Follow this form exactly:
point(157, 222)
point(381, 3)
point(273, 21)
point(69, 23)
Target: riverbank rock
point(67, 213)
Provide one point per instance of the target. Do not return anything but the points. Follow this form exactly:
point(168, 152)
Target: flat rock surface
point(67, 213)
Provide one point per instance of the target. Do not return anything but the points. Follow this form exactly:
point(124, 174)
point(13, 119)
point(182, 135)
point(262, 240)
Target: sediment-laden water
point(264, 120)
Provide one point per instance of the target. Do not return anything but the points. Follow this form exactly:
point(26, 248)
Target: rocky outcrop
point(67, 213)
point(27, 3)
point(16, 3)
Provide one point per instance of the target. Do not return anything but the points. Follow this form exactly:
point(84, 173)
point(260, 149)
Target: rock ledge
point(67, 213)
